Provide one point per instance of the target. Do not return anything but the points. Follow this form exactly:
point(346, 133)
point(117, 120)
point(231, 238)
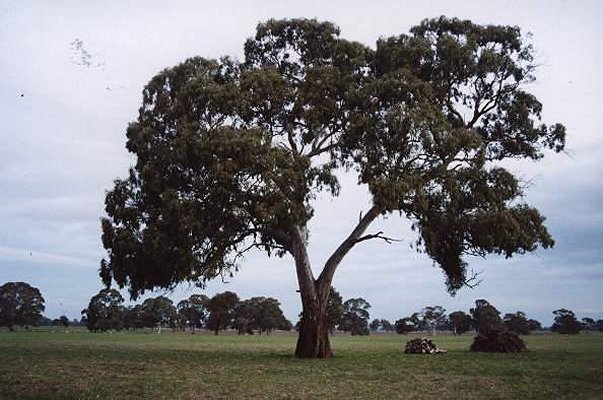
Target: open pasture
point(78, 364)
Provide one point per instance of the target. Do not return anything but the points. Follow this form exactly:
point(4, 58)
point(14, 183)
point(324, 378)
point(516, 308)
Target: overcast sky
point(71, 75)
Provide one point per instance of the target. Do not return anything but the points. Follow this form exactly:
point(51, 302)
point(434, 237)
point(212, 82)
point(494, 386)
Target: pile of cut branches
point(422, 346)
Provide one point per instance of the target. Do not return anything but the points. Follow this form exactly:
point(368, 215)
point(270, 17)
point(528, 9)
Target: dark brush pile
point(498, 340)
point(422, 346)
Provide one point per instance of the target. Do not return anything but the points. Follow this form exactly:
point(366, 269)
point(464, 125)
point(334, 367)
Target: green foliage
point(355, 316)
point(105, 311)
point(194, 309)
point(335, 309)
point(498, 340)
point(133, 317)
point(485, 316)
point(159, 311)
point(534, 325)
point(450, 106)
point(517, 323)
point(221, 309)
point(590, 324)
point(433, 316)
point(63, 320)
point(566, 322)
point(259, 313)
point(404, 326)
point(244, 315)
point(375, 325)
point(460, 322)
point(20, 304)
point(387, 326)
point(230, 155)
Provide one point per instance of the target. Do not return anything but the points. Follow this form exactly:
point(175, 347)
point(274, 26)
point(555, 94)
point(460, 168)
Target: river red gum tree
point(230, 155)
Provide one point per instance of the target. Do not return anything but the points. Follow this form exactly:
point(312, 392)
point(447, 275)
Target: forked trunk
point(313, 340)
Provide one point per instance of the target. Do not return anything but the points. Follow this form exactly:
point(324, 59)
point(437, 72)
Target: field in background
point(78, 364)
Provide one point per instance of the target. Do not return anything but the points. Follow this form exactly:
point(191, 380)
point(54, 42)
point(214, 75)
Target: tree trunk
point(313, 340)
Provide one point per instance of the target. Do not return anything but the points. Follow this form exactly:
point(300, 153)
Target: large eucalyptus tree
point(230, 155)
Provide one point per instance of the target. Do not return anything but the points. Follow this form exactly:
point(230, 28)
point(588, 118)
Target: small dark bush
point(498, 341)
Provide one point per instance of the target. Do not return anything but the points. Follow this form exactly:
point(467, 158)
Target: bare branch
point(378, 235)
point(321, 150)
point(472, 282)
point(326, 276)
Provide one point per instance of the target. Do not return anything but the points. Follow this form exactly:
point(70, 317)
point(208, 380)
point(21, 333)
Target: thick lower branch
point(326, 277)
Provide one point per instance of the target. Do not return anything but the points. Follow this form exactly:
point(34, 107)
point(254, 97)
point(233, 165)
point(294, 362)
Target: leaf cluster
point(105, 311)
point(20, 304)
point(230, 155)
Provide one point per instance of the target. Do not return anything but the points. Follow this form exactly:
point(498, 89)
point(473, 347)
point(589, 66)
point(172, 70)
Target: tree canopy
point(566, 322)
point(20, 304)
point(460, 322)
point(517, 323)
point(263, 314)
point(194, 309)
point(355, 318)
point(230, 155)
point(433, 316)
point(158, 312)
point(404, 326)
point(334, 310)
point(105, 311)
point(221, 309)
point(485, 316)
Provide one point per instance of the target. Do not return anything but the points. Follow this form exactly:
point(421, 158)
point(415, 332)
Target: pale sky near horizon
point(62, 142)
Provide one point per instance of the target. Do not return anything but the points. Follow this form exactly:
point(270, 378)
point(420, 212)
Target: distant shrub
point(498, 341)
point(566, 322)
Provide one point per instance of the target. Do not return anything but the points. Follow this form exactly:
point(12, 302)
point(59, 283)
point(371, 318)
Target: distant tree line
point(106, 311)
point(23, 305)
point(484, 317)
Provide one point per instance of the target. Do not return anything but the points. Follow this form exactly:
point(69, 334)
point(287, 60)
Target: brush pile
point(422, 346)
point(498, 340)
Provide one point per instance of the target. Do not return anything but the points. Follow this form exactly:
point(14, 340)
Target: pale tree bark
point(313, 340)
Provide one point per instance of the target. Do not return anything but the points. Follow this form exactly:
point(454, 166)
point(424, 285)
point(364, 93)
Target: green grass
point(78, 364)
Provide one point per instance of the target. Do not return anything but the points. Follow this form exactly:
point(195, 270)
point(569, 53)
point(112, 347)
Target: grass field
point(78, 364)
